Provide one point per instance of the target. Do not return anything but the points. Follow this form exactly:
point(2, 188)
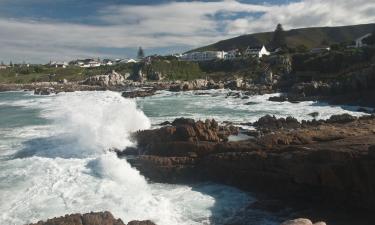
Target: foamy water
point(54, 156)
point(54, 160)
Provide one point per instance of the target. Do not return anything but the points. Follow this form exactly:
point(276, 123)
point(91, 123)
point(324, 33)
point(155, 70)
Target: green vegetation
point(175, 70)
point(309, 37)
point(40, 73)
point(333, 64)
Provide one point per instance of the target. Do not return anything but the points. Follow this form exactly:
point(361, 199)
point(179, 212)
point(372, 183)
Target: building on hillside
point(58, 64)
point(88, 63)
point(203, 56)
point(3, 67)
point(257, 52)
point(320, 50)
point(232, 54)
point(107, 62)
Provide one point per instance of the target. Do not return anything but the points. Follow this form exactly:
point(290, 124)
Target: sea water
point(54, 157)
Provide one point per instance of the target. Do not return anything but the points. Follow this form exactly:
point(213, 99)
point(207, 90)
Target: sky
point(37, 31)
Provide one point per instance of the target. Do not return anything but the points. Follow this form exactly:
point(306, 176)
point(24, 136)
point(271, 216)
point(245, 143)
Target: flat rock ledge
point(93, 218)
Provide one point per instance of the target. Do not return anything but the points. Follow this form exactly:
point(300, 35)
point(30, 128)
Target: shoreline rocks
point(93, 218)
point(326, 161)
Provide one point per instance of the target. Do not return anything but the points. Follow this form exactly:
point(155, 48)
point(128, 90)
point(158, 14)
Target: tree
point(10, 64)
point(2, 63)
point(279, 40)
point(141, 53)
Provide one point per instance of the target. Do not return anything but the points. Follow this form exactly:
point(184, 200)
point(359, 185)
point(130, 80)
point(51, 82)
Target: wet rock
point(44, 91)
point(343, 118)
point(99, 218)
point(234, 84)
point(183, 136)
point(314, 114)
point(281, 98)
point(138, 93)
point(144, 222)
point(271, 122)
point(251, 103)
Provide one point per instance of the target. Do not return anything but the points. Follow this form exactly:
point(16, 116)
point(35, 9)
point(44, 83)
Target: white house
point(108, 62)
point(259, 52)
point(88, 63)
point(232, 54)
point(203, 56)
point(58, 64)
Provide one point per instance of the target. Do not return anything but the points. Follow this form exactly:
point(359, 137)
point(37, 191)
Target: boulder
point(138, 93)
point(44, 91)
point(271, 122)
point(343, 118)
point(281, 98)
point(300, 221)
point(234, 84)
point(112, 79)
point(98, 218)
point(144, 222)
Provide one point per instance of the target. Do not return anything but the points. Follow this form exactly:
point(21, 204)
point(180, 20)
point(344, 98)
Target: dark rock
point(343, 118)
point(281, 98)
point(251, 103)
point(313, 162)
point(144, 222)
point(271, 122)
point(314, 114)
point(165, 123)
point(138, 93)
point(44, 91)
point(100, 218)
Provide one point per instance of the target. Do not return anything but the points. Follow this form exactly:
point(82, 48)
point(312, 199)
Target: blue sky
point(43, 30)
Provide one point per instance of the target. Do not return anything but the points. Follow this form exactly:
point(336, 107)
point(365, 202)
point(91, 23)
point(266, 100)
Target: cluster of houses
point(90, 63)
point(257, 52)
point(233, 54)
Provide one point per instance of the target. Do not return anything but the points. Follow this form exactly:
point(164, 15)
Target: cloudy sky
point(43, 30)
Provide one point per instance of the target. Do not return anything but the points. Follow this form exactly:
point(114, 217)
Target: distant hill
point(310, 37)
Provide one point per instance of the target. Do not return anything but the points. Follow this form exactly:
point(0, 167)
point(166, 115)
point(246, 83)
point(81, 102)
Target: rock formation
point(97, 218)
point(302, 221)
point(332, 161)
point(112, 79)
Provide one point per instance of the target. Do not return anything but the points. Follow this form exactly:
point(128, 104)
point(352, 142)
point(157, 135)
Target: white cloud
point(170, 24)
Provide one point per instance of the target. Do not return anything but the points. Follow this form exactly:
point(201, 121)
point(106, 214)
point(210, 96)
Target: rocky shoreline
point(328, 162)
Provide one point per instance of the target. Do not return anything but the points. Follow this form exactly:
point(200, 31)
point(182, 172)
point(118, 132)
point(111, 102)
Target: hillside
point(310, 37)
